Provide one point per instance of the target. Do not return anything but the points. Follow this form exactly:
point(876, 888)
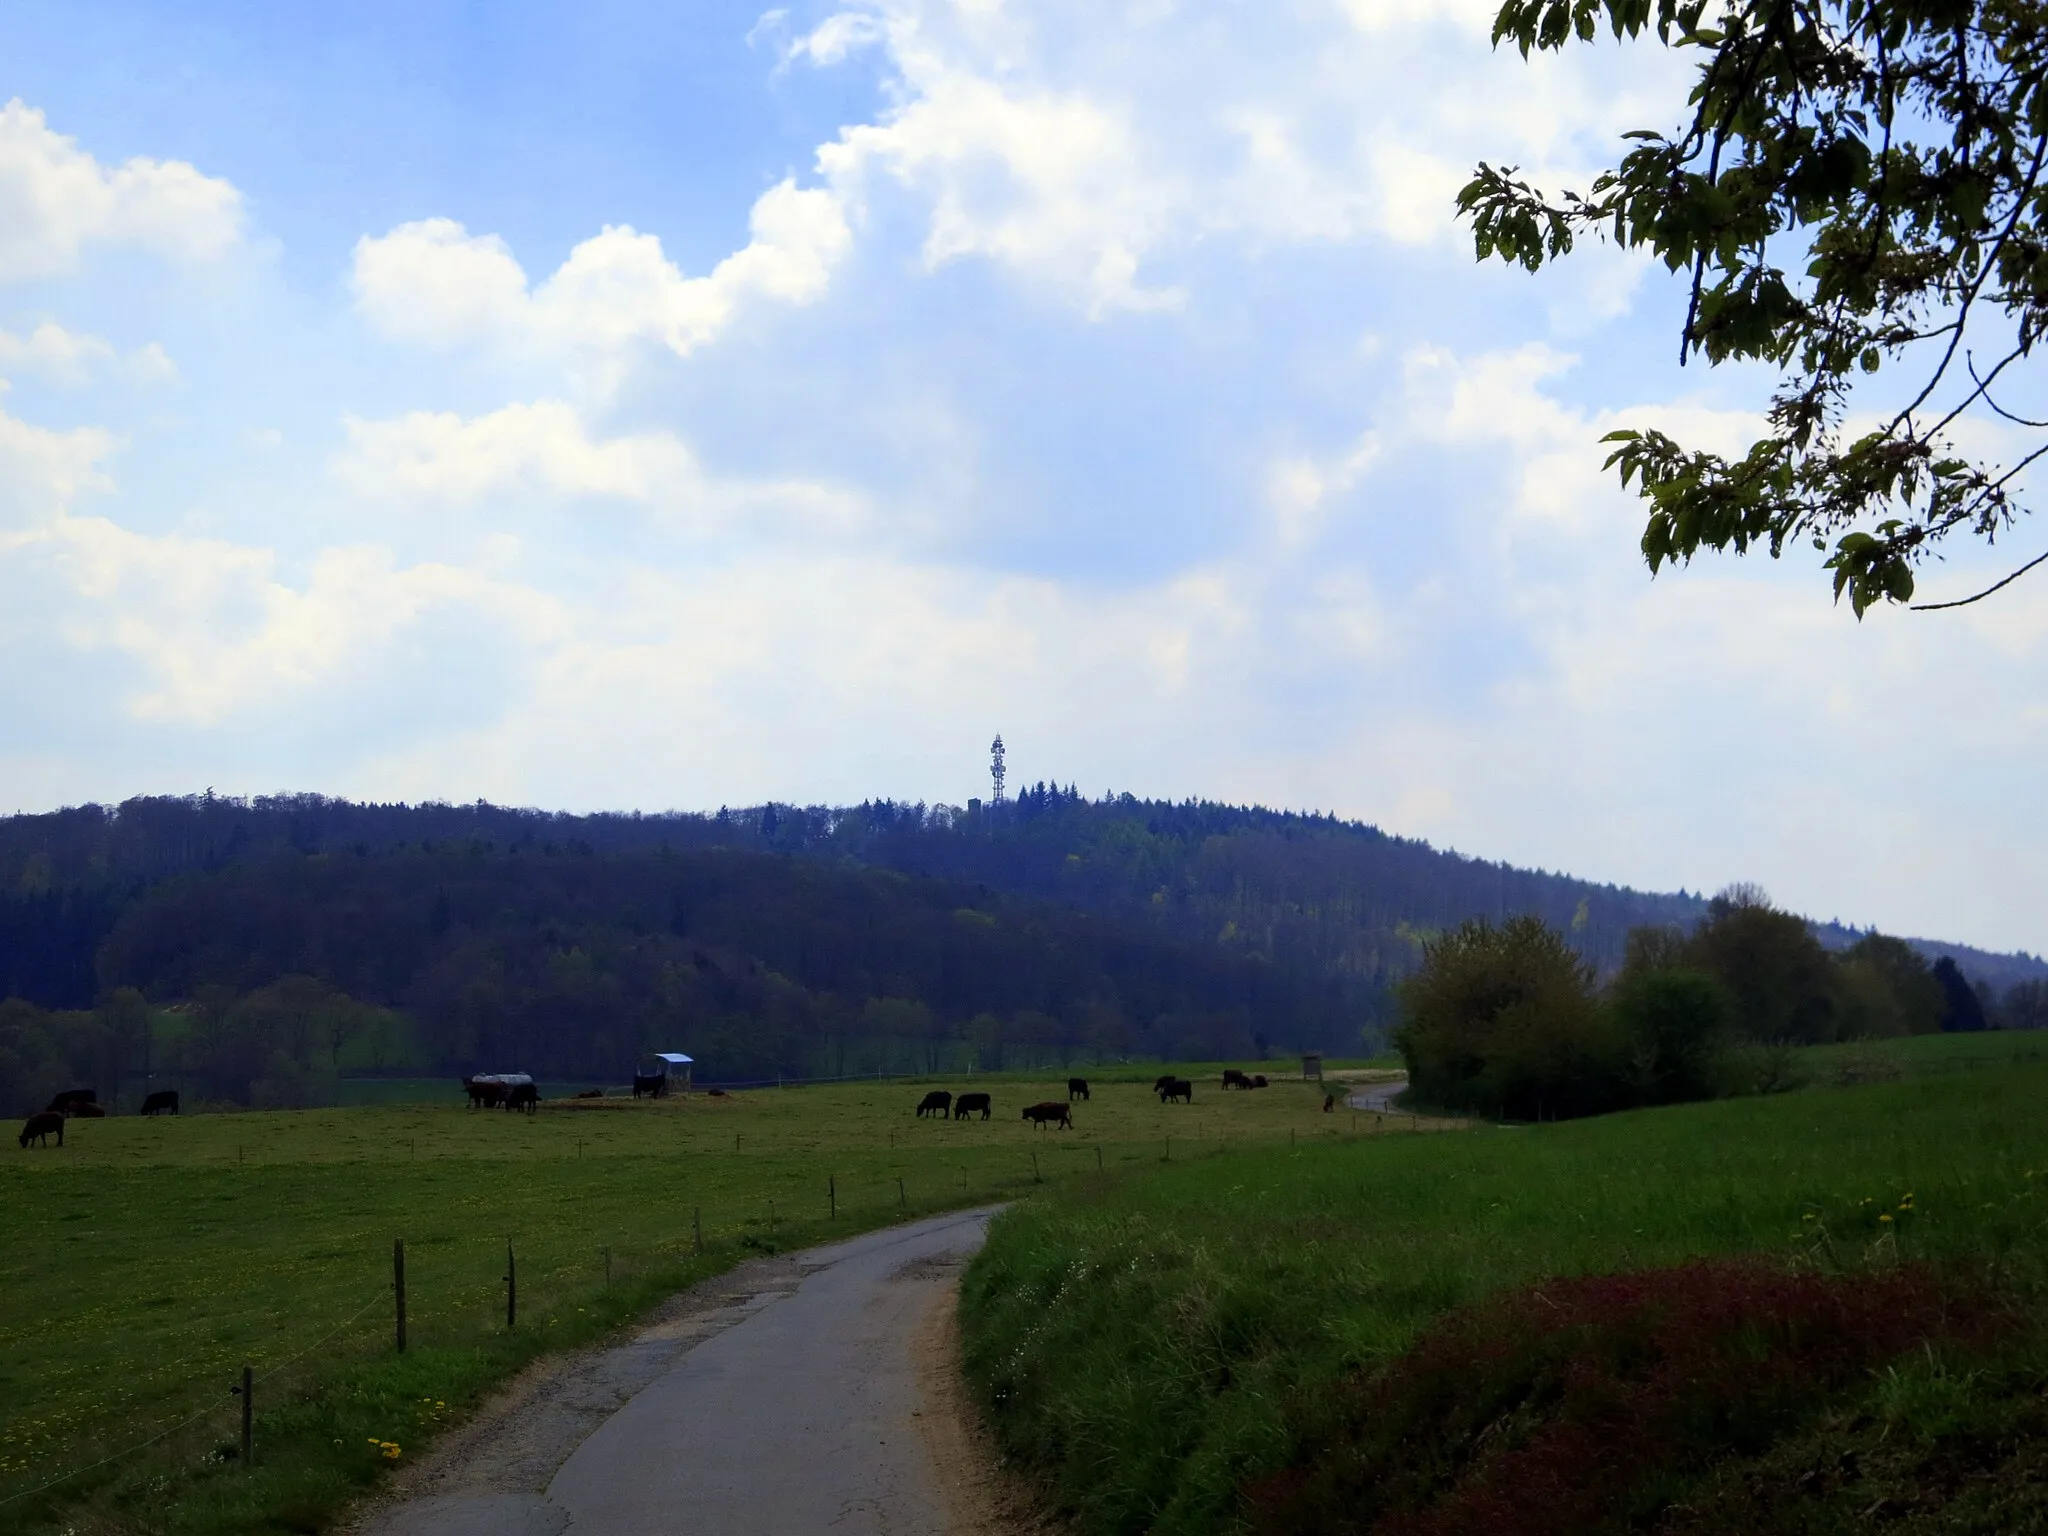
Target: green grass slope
point(1156, 1344)
point(148, 1260)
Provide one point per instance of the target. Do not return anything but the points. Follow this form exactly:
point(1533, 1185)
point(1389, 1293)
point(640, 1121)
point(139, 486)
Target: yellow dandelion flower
point(1887, 1216)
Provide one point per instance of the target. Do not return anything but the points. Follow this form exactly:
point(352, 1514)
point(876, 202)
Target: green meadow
point(1155, 1346)
point(148, 1260)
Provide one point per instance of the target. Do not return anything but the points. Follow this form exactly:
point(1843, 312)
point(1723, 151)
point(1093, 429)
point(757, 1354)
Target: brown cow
point(482, 1094)
point(88, 1111)
point(71, 1098)
point(591, 1093)
point(1051, 1112)
point(39, 1126)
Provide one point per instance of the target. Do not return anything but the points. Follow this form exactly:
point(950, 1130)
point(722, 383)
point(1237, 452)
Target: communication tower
point(995, 770)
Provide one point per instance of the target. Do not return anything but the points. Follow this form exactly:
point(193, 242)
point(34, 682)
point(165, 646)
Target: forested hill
point(1292, 926)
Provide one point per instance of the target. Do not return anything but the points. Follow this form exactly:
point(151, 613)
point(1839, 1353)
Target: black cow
point(652, 1085)
point(1258, 1079)
point(39, 1126)
point(1329, 1103)
point(523, 1096)
point(937, 1102)
point(1172, 1088)
point(1077, 1088)
point(483, 1094)
point(1232, 1078)
point(1159, 1083)
point(1051, 1112)
point(163, 1102)
point(71, 1098)
point(967, 1103)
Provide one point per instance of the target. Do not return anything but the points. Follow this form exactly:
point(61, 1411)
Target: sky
point(621, 405)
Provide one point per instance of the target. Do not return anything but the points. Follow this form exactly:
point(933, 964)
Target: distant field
point(1154, 1344)
point(148, 1260)
point(1913, 1056)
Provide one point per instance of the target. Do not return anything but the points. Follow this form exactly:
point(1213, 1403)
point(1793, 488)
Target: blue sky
point(632, 405)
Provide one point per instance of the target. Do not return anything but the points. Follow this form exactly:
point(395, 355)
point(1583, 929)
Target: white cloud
point(55, 199)
point(433, 282)
point(72, 358)
point(44, 472)
point(540, 448)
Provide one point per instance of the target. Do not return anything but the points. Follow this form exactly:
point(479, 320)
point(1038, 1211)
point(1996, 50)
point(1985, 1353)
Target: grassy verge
point(1159, 1345)
point(149, 1260)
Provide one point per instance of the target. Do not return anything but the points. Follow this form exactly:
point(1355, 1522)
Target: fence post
point(1034, 1167)
point(1098, 1157)
point(607, 1266)
point(901, 1198)
point(247, 1389)
point(511, 1287)
point(398, 1286)
point(696, 1229)
point(1169, 1150)
point(832, 1195)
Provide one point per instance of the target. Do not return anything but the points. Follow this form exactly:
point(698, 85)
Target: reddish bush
point(1584, 1405)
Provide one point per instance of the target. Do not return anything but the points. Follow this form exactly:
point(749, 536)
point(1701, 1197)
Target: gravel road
point(809, 1393)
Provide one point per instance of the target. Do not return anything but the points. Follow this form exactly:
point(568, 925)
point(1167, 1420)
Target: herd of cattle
point(1171, 1089)
point(513, 1091)
point(84, 1104)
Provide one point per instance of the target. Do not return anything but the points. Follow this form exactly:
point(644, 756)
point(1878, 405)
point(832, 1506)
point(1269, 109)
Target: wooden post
point(832, 1196)
point(1034, 1167)
point(511, 1287)
point(901, 1198)
point(1098, 1157)
point(607, 1266)
point(247, 1389)
point(398, 1286)
point(696, 1229)
point(1169, 1150)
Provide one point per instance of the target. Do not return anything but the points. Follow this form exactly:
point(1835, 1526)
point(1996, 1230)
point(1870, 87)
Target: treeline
point(1508, 1020)
point(573, 964)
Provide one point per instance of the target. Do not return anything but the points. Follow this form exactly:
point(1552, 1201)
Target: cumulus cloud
point(55, 199)
point(42, 472)
point(542, 448)
point(1090, 146)
point(434, 283)
point(73, 358)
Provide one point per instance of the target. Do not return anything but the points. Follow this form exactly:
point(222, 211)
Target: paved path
point(1379, 1097)
point(789, 1404)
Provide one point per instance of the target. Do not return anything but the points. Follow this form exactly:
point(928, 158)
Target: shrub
point(1675, 1022)
point(1503, 1020)
point(1586, 1405)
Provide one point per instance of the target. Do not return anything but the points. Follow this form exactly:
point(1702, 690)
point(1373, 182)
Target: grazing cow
point(87, 1111)
point(718, 1093)
point(71, 1098)
point(484, 1092)
point(937, 1102)
point(1232, 1078)
point(1172, 1088)
point(591, 1093)
point(39, 1126)
point(523, 1096)
point(1329, 1103)
point(1159, 1083)
point(651, 1085)
point(1077, 1088)
point(163, 1102)
point(1051, 1112)
point(967, 1103)
point(1258, 1079)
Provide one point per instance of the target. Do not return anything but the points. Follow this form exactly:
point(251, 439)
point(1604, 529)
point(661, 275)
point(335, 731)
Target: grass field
point(1156, 1345)
point(148, 1260)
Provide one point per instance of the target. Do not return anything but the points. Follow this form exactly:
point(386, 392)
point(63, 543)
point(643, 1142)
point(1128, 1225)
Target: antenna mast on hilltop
point(995, 770)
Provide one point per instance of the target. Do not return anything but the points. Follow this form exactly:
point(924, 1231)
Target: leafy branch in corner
point(1859, 192)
